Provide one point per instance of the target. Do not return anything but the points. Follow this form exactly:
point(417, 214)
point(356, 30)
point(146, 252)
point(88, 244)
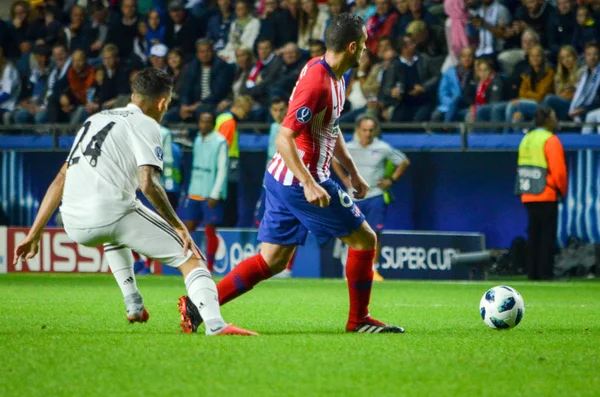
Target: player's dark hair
point(542, 115)
point(277, 100)
point(343, 30)
point(152, 83)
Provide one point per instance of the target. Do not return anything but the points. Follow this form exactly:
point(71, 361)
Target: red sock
point(359, 272)
point(243, 278)
point(290, 264)
point(212, 243)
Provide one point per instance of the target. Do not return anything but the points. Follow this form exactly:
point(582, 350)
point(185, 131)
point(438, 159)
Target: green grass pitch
point(66, 335)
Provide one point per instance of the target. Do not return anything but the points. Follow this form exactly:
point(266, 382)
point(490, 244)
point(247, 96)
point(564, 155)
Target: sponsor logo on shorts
point(303, 115)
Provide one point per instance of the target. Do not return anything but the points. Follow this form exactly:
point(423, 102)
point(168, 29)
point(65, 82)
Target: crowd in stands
point(446, 61)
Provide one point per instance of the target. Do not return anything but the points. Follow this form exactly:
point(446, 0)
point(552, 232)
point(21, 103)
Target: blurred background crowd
point(447, 61)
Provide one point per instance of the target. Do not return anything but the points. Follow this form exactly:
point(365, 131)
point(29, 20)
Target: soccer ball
point(502, 307)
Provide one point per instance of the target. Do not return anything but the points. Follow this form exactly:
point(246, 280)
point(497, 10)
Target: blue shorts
point(375, 210)
point(198, 211)
point(289, 217)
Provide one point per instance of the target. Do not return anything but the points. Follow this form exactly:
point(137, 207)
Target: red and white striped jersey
point(313, 113)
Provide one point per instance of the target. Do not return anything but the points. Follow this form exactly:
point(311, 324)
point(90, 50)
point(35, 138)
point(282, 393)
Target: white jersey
point(101, 182)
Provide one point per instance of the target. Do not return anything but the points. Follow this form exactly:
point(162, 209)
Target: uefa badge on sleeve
point(159, 153)
point(303, 115)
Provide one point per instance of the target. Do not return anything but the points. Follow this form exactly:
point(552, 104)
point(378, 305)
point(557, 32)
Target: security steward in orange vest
point(541, 180)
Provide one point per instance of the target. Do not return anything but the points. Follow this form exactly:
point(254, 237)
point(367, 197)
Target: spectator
point(46, 28)
point(380, 24)
point(116, 79)
point(76, 36)
point(226, 125)
point(565, 82)
point(413, 81)
point(385, 98)
point(586, 97)
point(177, 71)
point(98, 30)
point(292, 65)
point(430, 41)
point(207, 82)
point(156, 30)
point(242, 33)
point(488, 104)
point(80, 78)
point(141, 48)
point(158, 57)
point(586, 29)
point(182, 29)
point(244, 63)
point(266, 29)
point(355, 94)
point(562, 27)
point(124, 31)
point(219, 25)
point(284, 24)
point(417, 12)
point(490, 23)
point(515, 63)
point(57, 83)
point(262, 74)
point(20, 45)
point(535, 15)
point(536, 83)
point(316, 48)
point(335, 7)
point(454, 90)
point(29, 110)
point(364, 9)
point(312, 23)
point(402, 8)
point(10, 88)
point(455, 30)
point(372, 83)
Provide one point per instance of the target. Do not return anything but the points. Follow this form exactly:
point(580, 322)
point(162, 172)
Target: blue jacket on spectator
point(221, 80)
point(449, 90)
point(218, 31)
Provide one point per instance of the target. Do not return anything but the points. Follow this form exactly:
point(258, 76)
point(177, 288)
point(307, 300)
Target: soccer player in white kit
point(114, 153)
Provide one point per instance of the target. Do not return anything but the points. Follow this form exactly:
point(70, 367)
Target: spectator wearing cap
point(243, 32)
point(417, 12)
point(380, 24)
point(182, 29)
point(264, 72)
point(124, 31)
point(219, 25)
point(207, 82)
point(29, 110)
point(158, 57)
point(10, 87)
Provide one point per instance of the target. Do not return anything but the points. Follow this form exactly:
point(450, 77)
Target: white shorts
point(142, 231)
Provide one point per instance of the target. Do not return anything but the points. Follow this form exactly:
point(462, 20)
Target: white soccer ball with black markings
point(502, 307)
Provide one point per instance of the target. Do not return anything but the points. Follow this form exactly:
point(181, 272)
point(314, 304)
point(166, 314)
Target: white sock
point(120, 262)
point(203, 292)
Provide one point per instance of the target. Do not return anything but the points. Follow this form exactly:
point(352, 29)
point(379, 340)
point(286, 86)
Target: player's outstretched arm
point(343, 157)
point(149, 182)
point(28, 248)
point(286, 145)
